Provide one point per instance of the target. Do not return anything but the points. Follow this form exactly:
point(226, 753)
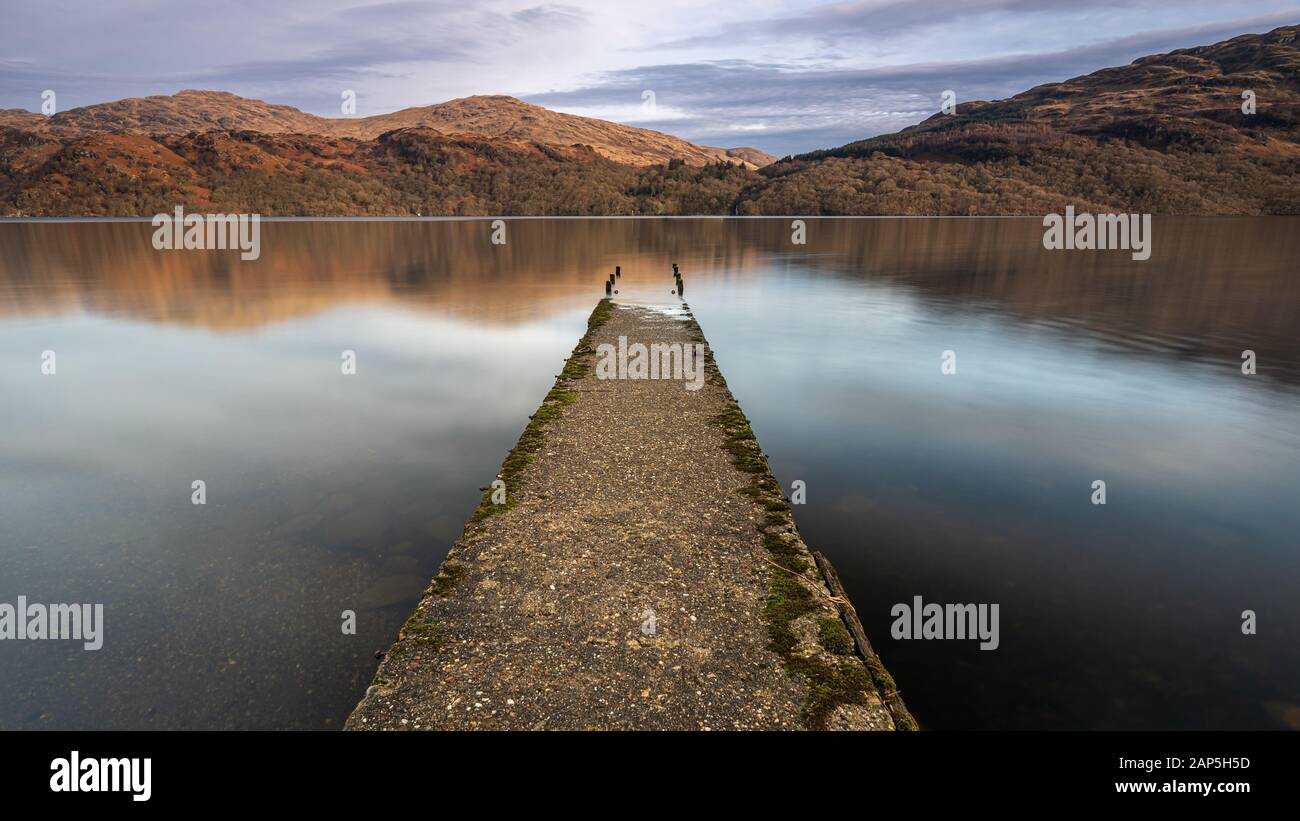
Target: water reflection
point(329, 493)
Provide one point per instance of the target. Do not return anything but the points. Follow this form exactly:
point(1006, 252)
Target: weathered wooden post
point(618, 271)
point(609, 287)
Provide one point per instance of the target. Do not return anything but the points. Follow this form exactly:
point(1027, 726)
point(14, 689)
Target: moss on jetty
point(834, 636)
point(837, 676)
point(525, 450)
point(800, 618)
point(418, 633)
point(449, 575)
point(530, 441)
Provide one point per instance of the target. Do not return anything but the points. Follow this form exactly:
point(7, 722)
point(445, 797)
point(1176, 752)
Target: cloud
point(551, 15)
point(853, 24)
point(806, 108)
point(808, 75)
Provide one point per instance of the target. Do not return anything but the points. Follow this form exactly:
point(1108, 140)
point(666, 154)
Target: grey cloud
point(300, 53)
point(555, 14)
point(862, 22)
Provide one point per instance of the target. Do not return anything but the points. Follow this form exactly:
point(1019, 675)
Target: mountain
point(1164, 134)
point(501, 116)
point(407, 171)
point(176, 114)
point(753, 156)
point(1188, 97)
point(21, 118)
point(488, 116)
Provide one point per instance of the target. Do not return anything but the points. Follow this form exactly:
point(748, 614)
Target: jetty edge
point(644, 571)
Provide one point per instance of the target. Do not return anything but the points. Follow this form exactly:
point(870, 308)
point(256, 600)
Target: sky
point(784, 76)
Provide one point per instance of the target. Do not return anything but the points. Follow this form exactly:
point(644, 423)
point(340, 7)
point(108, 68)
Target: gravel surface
point(624, 585)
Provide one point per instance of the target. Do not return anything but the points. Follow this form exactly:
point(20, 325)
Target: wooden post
point(903, 719)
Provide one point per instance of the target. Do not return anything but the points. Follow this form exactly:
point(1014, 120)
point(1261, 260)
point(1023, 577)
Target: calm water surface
point(328, 493)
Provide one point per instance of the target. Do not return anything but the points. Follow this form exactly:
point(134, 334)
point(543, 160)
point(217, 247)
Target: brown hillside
point(1164, 134)
point(407, 171)
point(489, 116)
point(1185, 98)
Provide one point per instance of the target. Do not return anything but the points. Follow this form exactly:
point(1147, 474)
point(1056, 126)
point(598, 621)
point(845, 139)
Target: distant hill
point(487, 116)
point(407, 171)
point(1191, 97)
point(173, 114)
point(753, 156)
point(1165, 134)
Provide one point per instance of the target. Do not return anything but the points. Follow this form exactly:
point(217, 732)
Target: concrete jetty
point(634, 566)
